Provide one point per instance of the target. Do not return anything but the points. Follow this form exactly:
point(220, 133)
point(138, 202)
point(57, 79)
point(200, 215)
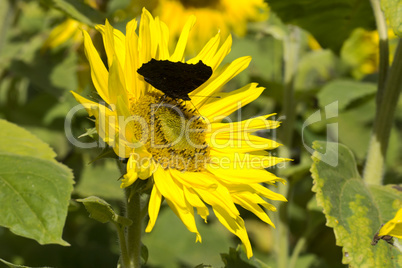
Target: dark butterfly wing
point(175, 79)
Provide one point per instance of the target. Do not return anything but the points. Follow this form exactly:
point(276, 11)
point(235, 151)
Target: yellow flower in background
point(361, 51)
point(67, 30)
point(191, 158)
point(70, 29)
point(393, 227)
point(212, 15)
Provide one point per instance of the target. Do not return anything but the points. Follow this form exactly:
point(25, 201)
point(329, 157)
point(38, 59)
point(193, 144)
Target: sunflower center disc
point(174, 135)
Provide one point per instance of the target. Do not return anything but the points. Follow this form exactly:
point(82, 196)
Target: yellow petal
point(99, 73)
point(218, 198)
point(251, 203)
point(178, 54)
point(207, 53)
point(195, 179)
point(116, 84)
point(263, 160)
point(237, 143)
point(106, 120)
point(236, 226)
point(265, 192)
point(114, 43)
point(131, 176)
point(218, 80)
point(393, 227)
point(153, 208)
point(221, 108)
point(168, 187)
point(164, 39)
point(174, 196)
point(148, 39)
point(249, 125)
point(221, 54)
point(187, 217)
point(196, 202)
point(88, 104)
point(132, 60)
point(243, 174)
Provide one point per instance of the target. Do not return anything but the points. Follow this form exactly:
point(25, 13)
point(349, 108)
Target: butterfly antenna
point(195, 107)
point(160, 104)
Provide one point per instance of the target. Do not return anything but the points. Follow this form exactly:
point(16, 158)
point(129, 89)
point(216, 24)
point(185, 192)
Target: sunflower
point(190, 157)
point(223, 15)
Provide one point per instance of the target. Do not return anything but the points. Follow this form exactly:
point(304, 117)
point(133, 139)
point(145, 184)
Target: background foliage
point(337, 60)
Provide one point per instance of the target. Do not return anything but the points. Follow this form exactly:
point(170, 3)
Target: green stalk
point(374, 169)
point(130, 241)
point(383, 47)
point(291, 50)
point(7, 14)
point(134, 231)
point(296, 252)
point(370, 174)
point(125, 261)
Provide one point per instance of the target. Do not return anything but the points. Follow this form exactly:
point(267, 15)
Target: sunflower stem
point(123, 246)
point(383, 47)
point(296, 251)
point(374, 168)
point(134, 231)
point(291, 49)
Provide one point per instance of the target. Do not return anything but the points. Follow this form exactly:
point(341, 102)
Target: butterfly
point(175, 79)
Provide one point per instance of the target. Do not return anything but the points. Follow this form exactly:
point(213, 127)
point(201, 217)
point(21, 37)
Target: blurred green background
point(342, 66)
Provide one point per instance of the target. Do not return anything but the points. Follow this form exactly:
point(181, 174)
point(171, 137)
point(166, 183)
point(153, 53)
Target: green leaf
point(393, 12)
point(102, 211)
point(234, 260)
point(317, 67)
point(9, 264)
point(330, 22)
point(345, 92)
point(16, 140)
point(354, 210)
point(35, 189)
point(77, 10)
point(144, 253)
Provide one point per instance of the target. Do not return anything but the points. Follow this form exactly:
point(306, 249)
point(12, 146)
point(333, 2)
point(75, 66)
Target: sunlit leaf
point(354, 210)
point(35, 189)
point(102, 211)
point(9, 264)
point(345, 92)
point(18, 141)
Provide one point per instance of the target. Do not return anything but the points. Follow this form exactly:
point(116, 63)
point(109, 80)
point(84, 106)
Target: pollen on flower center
point(199, 4)
point(174, 134)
